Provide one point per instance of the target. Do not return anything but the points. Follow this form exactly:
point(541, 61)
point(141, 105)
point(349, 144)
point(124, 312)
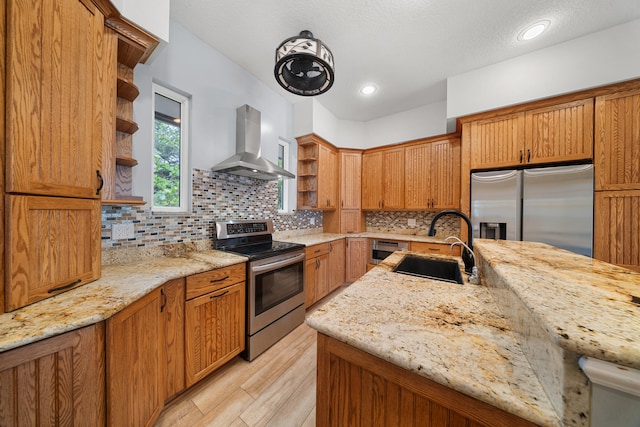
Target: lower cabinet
point(355, 388)
point(173, 293)
point(434, 248)
point(356, 258)
point(58, 381)
point(135, 362)
point(616, 228)
point(316, 273)
point(214, 321)
point(336, 264)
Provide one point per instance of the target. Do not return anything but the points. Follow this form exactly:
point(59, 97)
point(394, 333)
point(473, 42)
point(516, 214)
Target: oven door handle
point(277, 264)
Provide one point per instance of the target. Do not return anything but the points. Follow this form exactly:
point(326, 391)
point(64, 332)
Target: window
point(170, 150)
point(283, 184)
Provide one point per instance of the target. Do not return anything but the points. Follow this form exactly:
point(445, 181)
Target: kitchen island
point(522, 361)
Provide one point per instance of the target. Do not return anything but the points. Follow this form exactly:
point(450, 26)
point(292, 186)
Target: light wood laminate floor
point(278, 388)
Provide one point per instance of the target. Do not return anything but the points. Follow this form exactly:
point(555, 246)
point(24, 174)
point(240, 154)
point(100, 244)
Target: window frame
point(286, 186)
point(185, 176)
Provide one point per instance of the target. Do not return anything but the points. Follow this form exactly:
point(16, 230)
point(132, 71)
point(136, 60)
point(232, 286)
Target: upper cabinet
point(317, 174)
point(558, 133)
point(54, 122)
point(383, 179)
point(433, 175)
point(617, 143)
point(350, 179)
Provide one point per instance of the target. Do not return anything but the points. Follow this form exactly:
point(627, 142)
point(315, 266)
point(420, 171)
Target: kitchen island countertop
point(465, 338)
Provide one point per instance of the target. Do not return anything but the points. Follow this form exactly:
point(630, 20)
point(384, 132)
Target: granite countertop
point(119, 286)
point(318, 238)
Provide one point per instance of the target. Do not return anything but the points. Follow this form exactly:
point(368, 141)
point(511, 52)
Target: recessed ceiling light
point(533, 31)
point(368, 89)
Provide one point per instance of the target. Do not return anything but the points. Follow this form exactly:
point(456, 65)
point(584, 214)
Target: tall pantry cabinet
point(54, 89)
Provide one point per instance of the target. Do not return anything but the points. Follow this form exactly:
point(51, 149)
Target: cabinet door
point(617, 143)
point(393, 171)
point(616, 228)
point(351, 221)
point(135, 363)
point(372, 181)
point(336, 264)
point(327, 178)
point(323, 277)
point(59, 381)
point(559, 133)
point(173, 295)
point(214, 330)
point(310, 278)
point(356, 265)
point(54, 127)
point(418, 177)
point(350, 180)
point(53, 244)
point(445, 174)
point(497, 142)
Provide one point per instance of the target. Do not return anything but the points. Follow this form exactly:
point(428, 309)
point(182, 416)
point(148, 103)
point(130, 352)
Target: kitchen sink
point(446, 271)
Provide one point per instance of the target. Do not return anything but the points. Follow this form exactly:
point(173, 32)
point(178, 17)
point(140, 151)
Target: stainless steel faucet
point(467, 252)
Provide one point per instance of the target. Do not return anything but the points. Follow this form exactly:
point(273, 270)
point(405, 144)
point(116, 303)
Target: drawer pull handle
point(219, 295)
point(219, 280)
point(101, 183)
point(62, 288)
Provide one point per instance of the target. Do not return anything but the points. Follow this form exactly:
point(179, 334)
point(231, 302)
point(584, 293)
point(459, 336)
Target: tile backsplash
point(219, 196)
point(215, 196)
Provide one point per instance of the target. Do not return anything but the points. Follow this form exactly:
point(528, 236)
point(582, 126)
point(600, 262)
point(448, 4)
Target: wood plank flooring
point(278, 388)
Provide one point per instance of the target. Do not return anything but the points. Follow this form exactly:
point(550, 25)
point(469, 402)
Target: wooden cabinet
point(383, 179)
point(434, 248)
point(336, 264)
point(54, 125)
point(348, 217)
point(56, 381)
point(617, 142)
point(558, 133)
point(214, 320)
point(616, 230)
point(357, 389)
point(356, 258)
point(316, 273)
point(317, 174)
point(53, 245)
point(432, 179)
point(136, 362)
point(173, 294)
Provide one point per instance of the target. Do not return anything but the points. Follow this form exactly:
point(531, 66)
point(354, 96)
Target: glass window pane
point(167, 145)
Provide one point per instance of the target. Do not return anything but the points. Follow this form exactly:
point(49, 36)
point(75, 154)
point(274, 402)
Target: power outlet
point(411, 222)
point(312, 221)
point(122, 231)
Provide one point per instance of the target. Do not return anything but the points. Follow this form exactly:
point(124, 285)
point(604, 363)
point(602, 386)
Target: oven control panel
point(229, 229)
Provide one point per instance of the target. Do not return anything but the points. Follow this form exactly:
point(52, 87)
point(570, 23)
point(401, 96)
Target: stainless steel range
point(275, 281)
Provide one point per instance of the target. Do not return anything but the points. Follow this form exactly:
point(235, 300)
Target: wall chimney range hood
point(247, 160)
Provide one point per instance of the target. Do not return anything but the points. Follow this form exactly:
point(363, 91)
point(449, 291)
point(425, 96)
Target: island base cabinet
point(358, 389)
point(57, 381)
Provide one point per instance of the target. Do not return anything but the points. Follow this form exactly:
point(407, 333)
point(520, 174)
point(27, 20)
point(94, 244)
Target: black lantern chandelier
point(304, 65)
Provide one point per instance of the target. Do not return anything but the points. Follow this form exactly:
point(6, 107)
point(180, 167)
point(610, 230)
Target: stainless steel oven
point(275, 281)
point(380, 249)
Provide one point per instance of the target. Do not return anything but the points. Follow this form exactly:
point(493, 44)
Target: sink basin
point(446, 271)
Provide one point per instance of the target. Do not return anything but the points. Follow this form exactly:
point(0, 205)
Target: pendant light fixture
point(304, 65)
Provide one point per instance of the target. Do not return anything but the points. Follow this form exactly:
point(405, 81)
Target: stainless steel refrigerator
point(552, 205)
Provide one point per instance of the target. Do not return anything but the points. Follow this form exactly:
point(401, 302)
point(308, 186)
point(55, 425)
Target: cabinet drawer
point(209, 281)
point(317, 250)
point(434, 248)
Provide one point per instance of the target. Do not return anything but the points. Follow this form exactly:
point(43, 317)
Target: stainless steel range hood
point(247, 160)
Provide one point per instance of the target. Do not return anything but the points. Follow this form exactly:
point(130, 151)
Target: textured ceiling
point(406, 47)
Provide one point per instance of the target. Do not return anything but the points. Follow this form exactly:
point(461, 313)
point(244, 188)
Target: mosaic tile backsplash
point(215, 196)
point(219, 196)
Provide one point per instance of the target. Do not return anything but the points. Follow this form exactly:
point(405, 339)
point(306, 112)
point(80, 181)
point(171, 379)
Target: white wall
point(152, 15)
point(601, 58)
point(217, 87)
point(311, 116)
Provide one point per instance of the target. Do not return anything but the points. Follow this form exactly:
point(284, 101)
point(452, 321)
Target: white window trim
point(185, 176)
point(286, 186)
